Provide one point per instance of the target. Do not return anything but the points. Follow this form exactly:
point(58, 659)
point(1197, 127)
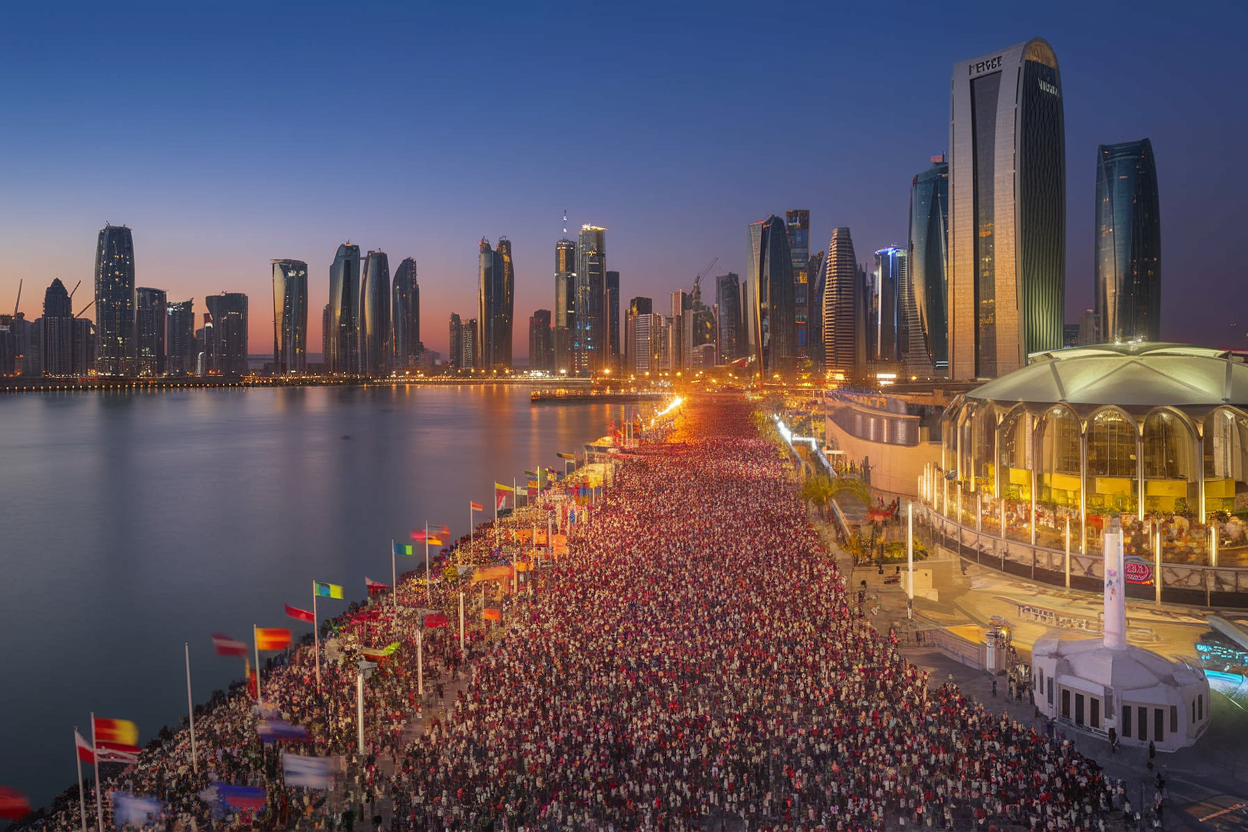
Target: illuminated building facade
point(290, 316)
point(115, 302)
point(1128, 242)
point(343, 356)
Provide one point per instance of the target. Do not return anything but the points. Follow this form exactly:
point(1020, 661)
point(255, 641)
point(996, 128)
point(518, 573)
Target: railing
point(1181, 583)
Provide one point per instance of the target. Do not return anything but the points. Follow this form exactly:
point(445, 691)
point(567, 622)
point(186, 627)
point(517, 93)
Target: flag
point(502, 501)
point(328, 590)
point(419, 535)
point(532, 474)
point(445, 530)
point(493, 615)
point(476, 507)
point(391, 648)
point(85, 752)
point(374, 586)
point(116, 734)
point(567, 456)
point(501, 487)
point(300, 615)
point(271, 730)
point(130, 808)
point(223, 645)
point(403, 549)
point(375, 654)
point(437, 619)
point(310, 772)
point(13, 804)
point(272, 638)
point(433, 541)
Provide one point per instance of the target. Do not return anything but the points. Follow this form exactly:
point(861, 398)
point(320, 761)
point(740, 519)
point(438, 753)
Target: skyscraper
point(114, 302)
point(797, 226)
point(590, 344)
point(929, 260)
point(886, 323)
point(565, 304)
point(639, 323)
point(495, 298)
point(1128, 242)
point(1007, 213)
point(180, 327)
point(455, 347)
point(326, 317)
point(227, 337)
point(843, 339)
point(56, 331)
point(817, 278)
point(769, 297)
point(375, 315)
point(343, 357)
point(290, 316)
point(150, 331)
point(406, 314)
point(728, 304)
point(541, 350)
point(613, 318)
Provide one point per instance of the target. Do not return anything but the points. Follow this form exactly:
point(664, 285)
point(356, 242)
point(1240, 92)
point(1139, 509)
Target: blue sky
point(229, 134)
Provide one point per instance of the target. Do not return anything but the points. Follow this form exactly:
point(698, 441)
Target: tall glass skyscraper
point(495, 299)
point(182, 351)
point(290, 316)
point(227, 346)
point(114, 302)
point(590, 346)
point(56, 331)
point(769, 297)
point(730, 324)
point(613, 318)
point(406, 315)
point(817, 277)
point(1007, 212)
point(797, 225)
point(885, 325)
point(541, 352)
point(929, 258)
point(1128, 242)
point(843, 336)
point(564, 323)
point(344, 312)
point(375, 315)
point(150, 331)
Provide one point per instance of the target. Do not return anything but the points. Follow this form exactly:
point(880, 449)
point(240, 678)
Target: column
point(1083, 489)
point(1139, 471)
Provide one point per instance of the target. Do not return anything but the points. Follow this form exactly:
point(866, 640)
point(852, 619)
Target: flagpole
point(255, 641)
point(316, 643)
point(496, 507)
point(82, 800)
point(515, 499)
point(95, 759)
point(190, 708)
point(471, 523)
point(461, 622)
point(420, 660)
point(426, 561)
point(394, 580)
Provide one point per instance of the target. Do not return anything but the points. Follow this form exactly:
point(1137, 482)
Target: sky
point(230, 134)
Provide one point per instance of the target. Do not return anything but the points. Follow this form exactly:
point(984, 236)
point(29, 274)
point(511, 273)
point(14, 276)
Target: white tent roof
point(1130, 375)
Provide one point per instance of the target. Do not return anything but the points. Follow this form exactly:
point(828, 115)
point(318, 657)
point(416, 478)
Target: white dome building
point(1099, 686)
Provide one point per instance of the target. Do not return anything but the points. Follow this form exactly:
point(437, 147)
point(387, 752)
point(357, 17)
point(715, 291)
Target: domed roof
point(1131, 375)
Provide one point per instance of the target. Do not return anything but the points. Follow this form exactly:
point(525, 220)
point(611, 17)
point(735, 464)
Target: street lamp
point(363, 671)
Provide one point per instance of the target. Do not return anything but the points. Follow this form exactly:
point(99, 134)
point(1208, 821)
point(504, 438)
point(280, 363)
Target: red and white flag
point(223, 645)
point(375, 586)
point(298, 615)
point(85, 752)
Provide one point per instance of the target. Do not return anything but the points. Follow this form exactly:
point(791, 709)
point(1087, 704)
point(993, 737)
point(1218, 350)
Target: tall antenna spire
point(565, 222)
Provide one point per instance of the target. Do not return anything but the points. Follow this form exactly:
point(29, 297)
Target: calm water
point(131, 523)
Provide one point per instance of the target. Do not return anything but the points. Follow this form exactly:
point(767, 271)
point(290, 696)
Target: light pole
point(363, 671)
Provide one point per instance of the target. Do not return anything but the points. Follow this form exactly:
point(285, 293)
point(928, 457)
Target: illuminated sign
point(984, 66)
point(1050, 89)
point(1138, 571)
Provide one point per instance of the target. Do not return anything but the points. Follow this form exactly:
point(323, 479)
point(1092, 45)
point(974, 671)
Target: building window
point(1174, 719)
point(1200, 707)
point(1141, 723)
point(1159, 724)
point(1065, 703)
point(1193, 711)
point(1096, 713)
point(1050, 692)
point(1126, 720)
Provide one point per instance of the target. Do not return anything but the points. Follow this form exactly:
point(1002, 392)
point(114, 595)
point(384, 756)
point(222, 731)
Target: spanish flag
point(327, 590)
point(272, 638)
point(117, 734)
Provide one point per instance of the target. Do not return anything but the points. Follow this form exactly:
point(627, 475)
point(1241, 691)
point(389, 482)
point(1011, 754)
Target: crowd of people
point(694, 662)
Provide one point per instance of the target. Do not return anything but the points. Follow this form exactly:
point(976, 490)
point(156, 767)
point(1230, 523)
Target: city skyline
point(861, 181)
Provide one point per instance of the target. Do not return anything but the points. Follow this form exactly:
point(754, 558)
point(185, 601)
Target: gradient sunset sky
point(229, 134)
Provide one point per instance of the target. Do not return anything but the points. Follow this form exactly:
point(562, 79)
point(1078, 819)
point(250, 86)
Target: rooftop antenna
point(565, 222)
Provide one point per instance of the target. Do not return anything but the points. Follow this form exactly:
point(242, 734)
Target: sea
point(134, 523)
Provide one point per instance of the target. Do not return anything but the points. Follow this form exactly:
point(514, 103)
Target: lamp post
point(363, 671)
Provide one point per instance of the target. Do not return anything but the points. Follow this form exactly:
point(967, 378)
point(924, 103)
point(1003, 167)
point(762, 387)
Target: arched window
point(1111, 446)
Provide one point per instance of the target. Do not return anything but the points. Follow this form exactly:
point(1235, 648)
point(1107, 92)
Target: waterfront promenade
point(693, 662)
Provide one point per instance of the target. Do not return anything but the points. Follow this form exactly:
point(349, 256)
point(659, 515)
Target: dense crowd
point(695, 662)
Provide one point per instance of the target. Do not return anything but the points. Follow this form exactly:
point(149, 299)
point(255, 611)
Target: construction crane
point(71, 294)
point(85, 308)
point(697, 281)
point(18, 302)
